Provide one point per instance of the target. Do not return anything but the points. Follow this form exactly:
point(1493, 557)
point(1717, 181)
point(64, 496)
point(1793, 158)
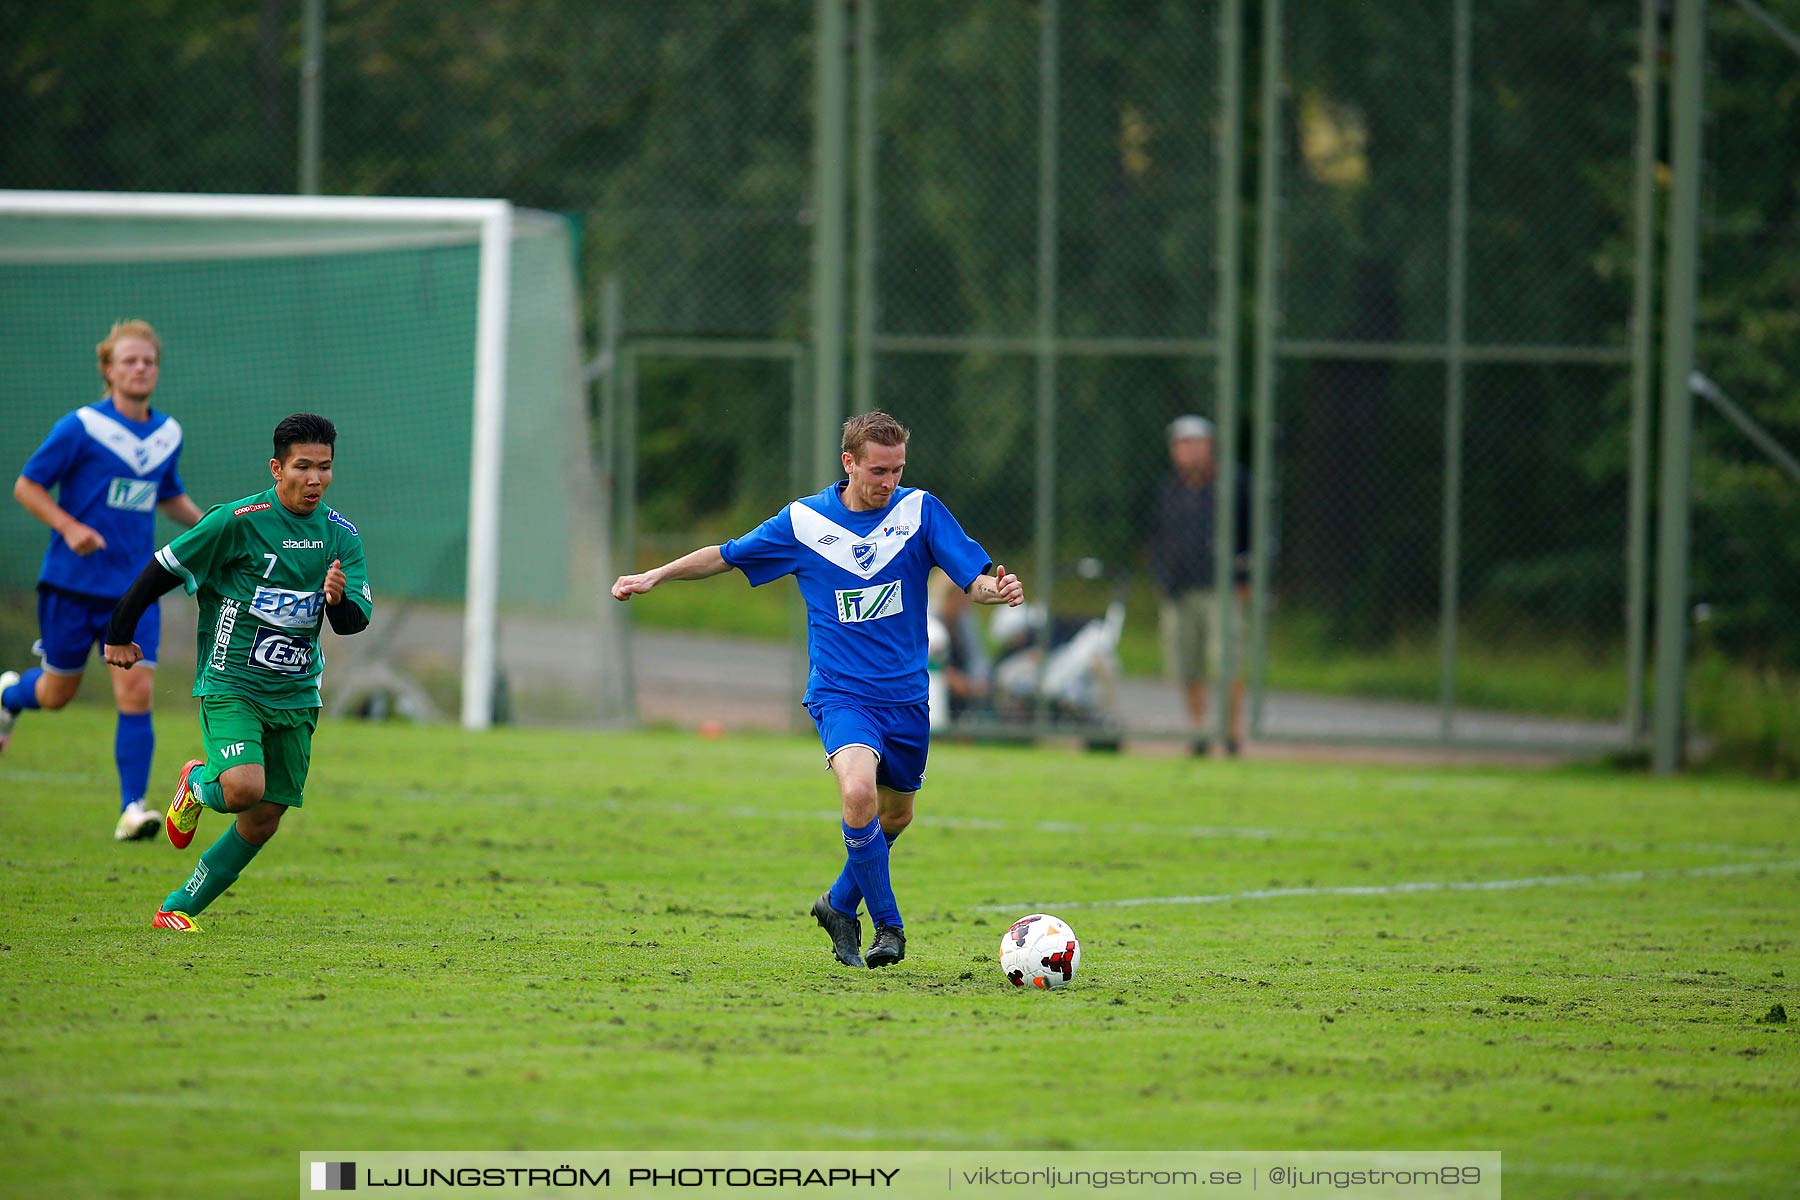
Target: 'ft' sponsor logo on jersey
point(869, 604)
point(132, 495)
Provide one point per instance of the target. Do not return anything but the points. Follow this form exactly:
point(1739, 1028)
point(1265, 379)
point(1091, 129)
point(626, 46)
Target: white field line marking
point(1408, 889)
point(1248, 833)
point(1135, 828)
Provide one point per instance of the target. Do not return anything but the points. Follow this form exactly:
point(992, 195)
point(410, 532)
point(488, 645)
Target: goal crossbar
point(493, 219)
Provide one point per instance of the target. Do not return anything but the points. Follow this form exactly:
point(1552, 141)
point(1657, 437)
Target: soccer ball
point(1039, 951)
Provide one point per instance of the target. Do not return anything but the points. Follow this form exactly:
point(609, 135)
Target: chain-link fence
point(1402, 256)
point(1450, 389)
point(1745, 583)
point(1043, 270)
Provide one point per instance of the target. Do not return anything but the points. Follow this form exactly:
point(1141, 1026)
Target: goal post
point(43, 229)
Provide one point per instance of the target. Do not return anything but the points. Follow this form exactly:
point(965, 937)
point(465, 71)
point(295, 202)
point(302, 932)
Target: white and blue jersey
point(109, 473)
point(862, 575)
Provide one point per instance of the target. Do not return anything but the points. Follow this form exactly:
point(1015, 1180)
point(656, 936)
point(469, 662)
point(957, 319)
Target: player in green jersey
point(267, 570)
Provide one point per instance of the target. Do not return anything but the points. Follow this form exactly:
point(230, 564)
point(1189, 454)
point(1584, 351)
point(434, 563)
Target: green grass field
point(555, 941)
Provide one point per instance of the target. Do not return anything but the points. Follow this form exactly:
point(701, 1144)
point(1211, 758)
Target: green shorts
point(237, 731)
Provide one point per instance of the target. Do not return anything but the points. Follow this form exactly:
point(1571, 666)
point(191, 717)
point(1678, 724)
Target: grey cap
point(1190, 426)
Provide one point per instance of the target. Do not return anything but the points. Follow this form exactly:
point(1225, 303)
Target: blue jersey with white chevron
point(862, 575)
point(109, 473)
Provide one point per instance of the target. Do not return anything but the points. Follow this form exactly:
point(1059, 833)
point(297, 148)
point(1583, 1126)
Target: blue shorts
point(900, 738)
point(69, 628)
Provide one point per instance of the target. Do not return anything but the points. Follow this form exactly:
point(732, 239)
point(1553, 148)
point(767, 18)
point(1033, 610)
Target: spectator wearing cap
point(1182, 569)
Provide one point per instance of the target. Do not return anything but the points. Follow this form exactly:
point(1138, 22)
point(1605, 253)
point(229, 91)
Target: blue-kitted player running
point(862, 550)
point(112, 465)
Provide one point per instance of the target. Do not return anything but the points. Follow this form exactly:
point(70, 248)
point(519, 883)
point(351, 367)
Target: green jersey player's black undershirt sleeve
point(152, 583)
point(346, 617)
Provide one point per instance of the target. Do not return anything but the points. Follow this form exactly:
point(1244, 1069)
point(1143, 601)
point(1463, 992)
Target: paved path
point(689, 678)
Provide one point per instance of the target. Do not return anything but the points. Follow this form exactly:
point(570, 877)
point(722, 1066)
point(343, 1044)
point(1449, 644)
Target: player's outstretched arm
point(703, 563)
point(1002, 587)
point(152, 583)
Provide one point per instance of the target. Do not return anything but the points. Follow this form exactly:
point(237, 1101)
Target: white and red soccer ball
point(1040, 951)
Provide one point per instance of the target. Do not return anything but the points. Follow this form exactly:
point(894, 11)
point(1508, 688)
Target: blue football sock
point(846, 897)
point(23, 694)
point(133, 743)
point(868, 852)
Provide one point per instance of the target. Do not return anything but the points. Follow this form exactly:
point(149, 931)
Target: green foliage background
point(680, 134)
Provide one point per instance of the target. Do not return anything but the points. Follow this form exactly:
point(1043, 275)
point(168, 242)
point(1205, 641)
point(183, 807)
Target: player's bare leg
point(55, 690)
point(36, 688)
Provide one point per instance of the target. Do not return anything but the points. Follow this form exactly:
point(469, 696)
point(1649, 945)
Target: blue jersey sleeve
point(766, 553)
point(171, 485)
point(52, 460)
point(961, 557)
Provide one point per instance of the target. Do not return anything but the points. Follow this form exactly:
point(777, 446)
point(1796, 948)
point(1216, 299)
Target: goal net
point(440, 336)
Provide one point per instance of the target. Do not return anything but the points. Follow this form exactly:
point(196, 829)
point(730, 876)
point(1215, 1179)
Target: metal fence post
point(1044, 341)
point(617, 510)
point(1637, 517)
point(1226, 366)
point(312, 53)
point(800, 474)
point(829, 135)
point(1679, 290)
point(628, 459)
point(1449, 583)
point(1262, 472)
point(867, 119)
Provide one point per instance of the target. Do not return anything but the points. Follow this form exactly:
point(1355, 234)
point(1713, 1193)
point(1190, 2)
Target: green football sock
point(211, 793)
point(217, 870)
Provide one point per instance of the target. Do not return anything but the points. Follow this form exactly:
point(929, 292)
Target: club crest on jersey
point(863, 553)
point(282, 653)
point(869, 604)
point(290, 610)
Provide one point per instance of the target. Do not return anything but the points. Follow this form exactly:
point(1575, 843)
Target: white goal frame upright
point(493, 222)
